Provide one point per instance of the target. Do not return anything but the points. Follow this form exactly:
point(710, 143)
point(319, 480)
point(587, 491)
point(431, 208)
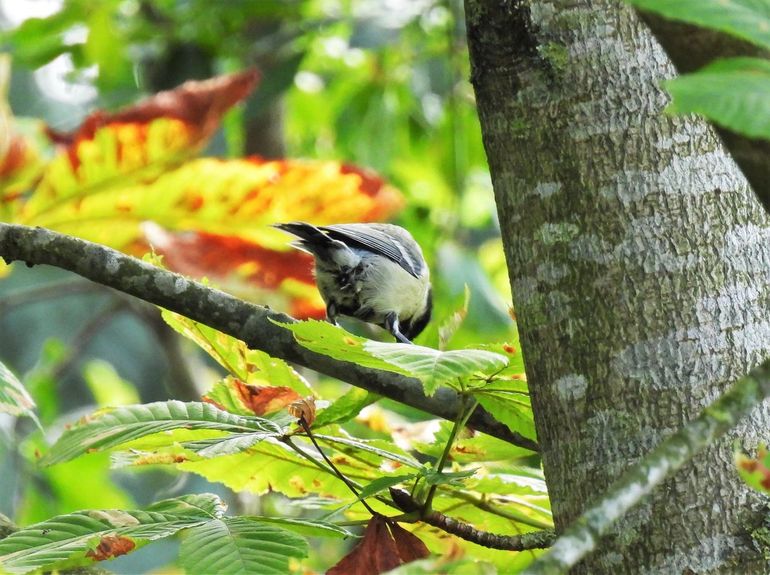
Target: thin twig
point(339, 474)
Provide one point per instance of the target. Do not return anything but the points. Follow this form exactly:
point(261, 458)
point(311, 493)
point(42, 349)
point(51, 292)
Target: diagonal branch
point(582, 537)
point(248, 322)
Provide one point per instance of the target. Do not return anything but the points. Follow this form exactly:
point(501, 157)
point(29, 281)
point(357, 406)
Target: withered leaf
point(111, 546)
point(303, 409)
point(264, 399)
point(385, 546)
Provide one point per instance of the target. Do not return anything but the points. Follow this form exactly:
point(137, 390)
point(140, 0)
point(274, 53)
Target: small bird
point(372, 272)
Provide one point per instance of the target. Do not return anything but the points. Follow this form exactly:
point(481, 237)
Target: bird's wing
point(374, 240)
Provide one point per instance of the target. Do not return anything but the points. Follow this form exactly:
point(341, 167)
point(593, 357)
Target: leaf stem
point(462, 418)
point(337, 472)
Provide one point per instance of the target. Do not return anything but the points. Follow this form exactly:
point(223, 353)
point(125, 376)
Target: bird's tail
point(311, 239)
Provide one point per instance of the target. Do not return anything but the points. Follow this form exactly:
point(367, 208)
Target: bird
point(370, 271)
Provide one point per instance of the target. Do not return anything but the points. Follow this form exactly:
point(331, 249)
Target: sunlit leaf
point(86, 536)
point(435, 367)
point(240, 546)
point(249, 365)
point(20, 164)
point(110, 428)
point(747, 19)
point(731, 92)
point(431, 366)
point(271, 466)
point(111, 153)
point(252, 399)
point(14, 399)
point(346, 407)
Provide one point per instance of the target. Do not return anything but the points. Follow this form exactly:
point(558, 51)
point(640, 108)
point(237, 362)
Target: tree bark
point(638, 257)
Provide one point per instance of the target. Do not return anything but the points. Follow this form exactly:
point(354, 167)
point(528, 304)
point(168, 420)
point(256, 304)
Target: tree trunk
point(638, 259)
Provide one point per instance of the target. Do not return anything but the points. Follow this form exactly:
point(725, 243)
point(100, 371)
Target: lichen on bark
point(661, 294)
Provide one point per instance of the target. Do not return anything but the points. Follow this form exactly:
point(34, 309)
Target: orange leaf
point(265, 399)
point(231, 260)
point(197, 103)
point(111, 546)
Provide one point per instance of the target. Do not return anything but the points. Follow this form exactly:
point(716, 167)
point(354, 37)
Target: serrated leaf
point(271, 466)
point(431, 366)
point(730, 92)
point(346, 407)
point(513, 409)
point(82, 537)
point(434, 367)
point(14, 398)
point(235, 396)
point(747, 19)
point(327, 339)
point(240, 546)
point(249, 365)
point(306, 527)
point(110, 428)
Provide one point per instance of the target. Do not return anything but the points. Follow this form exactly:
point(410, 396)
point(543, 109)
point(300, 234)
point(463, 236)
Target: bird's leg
point(331, 313)
point(391, 324)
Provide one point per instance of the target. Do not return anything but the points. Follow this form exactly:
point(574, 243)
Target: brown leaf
point(409, 546)
point(304, 409)
point(111, 546)
point(265, 399)
point(199, 103)
point(375, 554)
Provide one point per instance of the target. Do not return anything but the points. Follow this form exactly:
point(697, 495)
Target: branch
point(532, 540)
point(638, 481)
point(248, 322)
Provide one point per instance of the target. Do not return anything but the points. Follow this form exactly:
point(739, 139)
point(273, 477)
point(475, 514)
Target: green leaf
point(14, 399)
point(327, 339)
point(110, 428)
point(434, 367)
point(237, 545)
point(383, 483)
point(106, 385)
point(429, 365)
point(71, 540)
point(731, 92)
point(747, 19)
point(306, 527)
point(346, 407)
point(508, 405)
point(249, 365)
point(450, 325)
point(271, 466)
point(451, 477)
